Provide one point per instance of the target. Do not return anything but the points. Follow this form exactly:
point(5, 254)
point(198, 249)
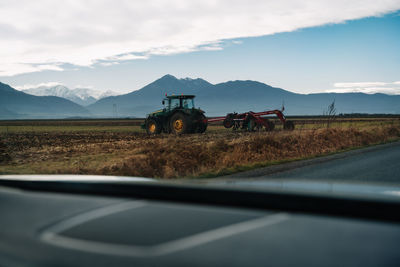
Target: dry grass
point(191, 157)
point(166, 156)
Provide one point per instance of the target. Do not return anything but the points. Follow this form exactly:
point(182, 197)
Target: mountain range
point(215, 99)
point(241, 96)
point(81, 96)
point(15, 104)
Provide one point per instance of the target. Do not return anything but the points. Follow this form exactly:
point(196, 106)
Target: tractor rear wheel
point(153, 126)
point(289, 125)
point(179, 124)
point(201, 126)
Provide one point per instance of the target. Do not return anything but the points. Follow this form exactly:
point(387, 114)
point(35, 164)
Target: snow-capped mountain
point(81, 96)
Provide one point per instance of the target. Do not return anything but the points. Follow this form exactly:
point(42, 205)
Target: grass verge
point(212, 154)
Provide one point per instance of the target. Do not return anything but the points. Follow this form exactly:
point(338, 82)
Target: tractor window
point(174, 103)
point(188, 103)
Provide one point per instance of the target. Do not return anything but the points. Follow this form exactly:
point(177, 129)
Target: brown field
point(120, 147)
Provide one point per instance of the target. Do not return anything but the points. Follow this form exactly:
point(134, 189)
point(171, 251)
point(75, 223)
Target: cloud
point(390, 88)
point(126, 57)
point(359, 84)
point(84, 86)
point(51, 84)
point(29, 86)
point(45, 34)
point(106, 64)
point(237, 42)
point(9, 68)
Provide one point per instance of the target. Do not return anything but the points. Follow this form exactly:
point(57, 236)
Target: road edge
point(306, 162)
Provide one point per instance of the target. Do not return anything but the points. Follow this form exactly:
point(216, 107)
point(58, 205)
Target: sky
point(302, 46)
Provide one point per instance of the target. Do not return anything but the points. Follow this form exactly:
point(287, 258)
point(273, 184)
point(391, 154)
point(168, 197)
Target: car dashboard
point(71, 225)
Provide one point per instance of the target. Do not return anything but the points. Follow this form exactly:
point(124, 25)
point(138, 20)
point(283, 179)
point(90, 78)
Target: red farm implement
point(252, 121)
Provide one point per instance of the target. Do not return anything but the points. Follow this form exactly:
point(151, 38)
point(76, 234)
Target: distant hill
point(7, 114)
point(241, 96)
point(17, 104)
point(145, 100)
point(81, 96)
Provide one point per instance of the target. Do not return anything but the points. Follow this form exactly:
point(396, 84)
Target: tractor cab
point(178, 102)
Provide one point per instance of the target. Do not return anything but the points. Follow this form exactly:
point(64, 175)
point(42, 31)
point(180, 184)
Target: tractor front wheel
point(153, 126)
point(179, 124)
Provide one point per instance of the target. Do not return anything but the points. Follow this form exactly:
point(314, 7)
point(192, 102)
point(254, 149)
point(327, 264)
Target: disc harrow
point(253, 121)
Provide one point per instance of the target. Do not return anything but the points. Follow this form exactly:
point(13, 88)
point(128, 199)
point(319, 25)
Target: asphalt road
point(373, 164)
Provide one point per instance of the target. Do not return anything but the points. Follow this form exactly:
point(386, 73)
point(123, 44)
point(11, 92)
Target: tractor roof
point(181, 96)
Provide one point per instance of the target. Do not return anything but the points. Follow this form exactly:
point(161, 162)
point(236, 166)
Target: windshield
point(292, 96)
point(174, 103)
point(188, 103)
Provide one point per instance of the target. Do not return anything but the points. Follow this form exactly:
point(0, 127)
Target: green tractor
point(179, 116)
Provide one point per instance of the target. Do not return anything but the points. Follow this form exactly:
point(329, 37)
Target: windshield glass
point(188, 103)
point(303, 97)
point(174, 103)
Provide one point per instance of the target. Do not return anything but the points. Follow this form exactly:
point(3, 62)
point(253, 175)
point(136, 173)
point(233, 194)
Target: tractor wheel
point(179, 124)
point(289, 125)
point(271, 126)
point(201, 127)
point(153, 126)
